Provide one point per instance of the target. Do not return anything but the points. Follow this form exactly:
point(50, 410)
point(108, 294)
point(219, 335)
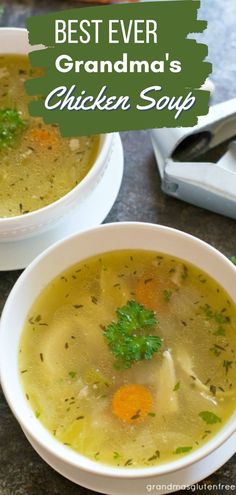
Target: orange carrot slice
point(131, 403)
point(150, 291)
point(43, 137)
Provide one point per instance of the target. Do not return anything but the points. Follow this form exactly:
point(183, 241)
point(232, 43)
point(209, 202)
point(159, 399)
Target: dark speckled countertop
point(22, 472)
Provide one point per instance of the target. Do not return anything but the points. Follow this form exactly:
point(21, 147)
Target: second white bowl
point(15, 41)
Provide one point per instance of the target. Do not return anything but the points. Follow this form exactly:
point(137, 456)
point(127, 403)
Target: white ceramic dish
point(18, 254)
point(191, 468)
point(15, 40)
point(159, 484)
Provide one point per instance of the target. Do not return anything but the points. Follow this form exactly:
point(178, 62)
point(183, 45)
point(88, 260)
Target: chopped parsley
point(220, 332)
point(218, 317)
point(206, 433)
point(209, 417)
point(182, 450)
point(217, 349)
point(155, 456)
point(10, 123)
point(227, 365)
point(213, 389)
point(167, 295)
point(72, 374)
point(184, 273)
point(136, 415)
point(176, 387)
point(116, 455)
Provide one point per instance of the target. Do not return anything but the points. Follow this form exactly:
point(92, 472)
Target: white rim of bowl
point(64, 453)
point(105, 141)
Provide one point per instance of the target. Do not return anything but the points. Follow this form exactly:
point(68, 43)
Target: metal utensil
point(206, 184)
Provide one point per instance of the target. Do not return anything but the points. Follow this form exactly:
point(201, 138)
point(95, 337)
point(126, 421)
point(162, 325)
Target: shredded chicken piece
point(83, 392)
point(3, 72)
point(167, 398)
point(176, 276)
point(209, 398)
point(186, 364)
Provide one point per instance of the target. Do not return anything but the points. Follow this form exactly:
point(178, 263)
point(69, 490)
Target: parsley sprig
point(127, 338)
point(10, 123)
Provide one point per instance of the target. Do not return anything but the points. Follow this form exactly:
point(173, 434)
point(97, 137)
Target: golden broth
point(157, 410)
point(38, 166)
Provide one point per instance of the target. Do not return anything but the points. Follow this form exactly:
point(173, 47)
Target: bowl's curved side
point(48, 265)
point(160, 484)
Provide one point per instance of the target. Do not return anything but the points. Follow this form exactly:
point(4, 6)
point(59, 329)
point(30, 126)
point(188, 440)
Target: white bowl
point(48, 265)
point(15, 40)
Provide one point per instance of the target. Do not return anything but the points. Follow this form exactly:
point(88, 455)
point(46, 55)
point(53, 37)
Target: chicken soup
point(128, 358)
point(38, 166)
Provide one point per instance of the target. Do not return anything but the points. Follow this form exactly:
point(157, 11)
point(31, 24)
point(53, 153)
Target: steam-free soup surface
point(38, 166)
point(127, 396)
